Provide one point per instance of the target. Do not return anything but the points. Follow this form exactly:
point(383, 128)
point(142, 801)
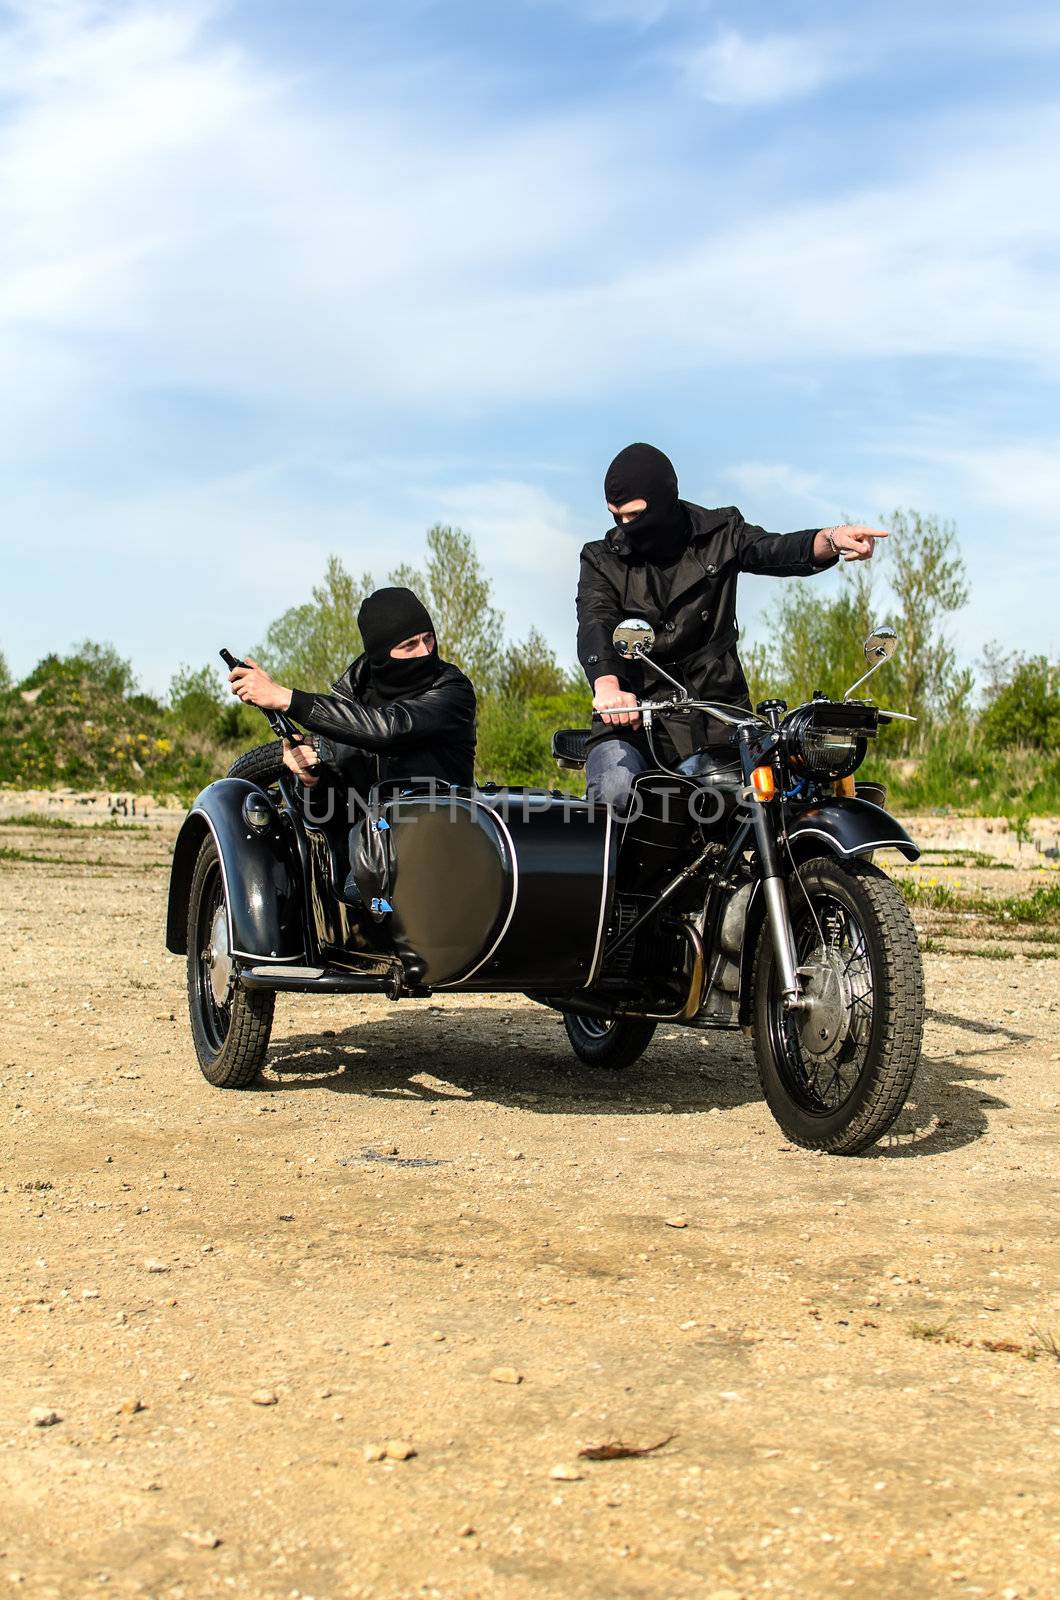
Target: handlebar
point(668, 707)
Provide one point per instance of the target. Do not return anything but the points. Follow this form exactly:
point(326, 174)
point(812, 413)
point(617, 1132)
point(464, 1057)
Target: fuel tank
point(503, 889)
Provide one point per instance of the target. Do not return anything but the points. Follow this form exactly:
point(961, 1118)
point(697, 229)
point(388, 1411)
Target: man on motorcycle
point(675, 564)
point(398, 711)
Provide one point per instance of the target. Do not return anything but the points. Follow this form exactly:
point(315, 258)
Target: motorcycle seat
point(569, 746)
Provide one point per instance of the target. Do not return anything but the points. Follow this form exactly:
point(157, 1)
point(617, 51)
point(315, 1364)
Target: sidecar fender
point(261, 877)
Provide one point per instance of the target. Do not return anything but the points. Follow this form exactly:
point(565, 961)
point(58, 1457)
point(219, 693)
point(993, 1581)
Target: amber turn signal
point(762, 783)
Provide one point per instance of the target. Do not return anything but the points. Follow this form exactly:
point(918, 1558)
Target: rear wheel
point(230, 1026)
point(611, 1042)
point(837, 1074)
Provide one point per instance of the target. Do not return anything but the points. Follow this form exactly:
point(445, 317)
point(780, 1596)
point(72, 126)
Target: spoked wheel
point(613, 1042)
point(230, 1026)
point(837, 1074)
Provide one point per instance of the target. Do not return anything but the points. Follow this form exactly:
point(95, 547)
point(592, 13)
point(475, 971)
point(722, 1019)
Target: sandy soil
point(847, 1357)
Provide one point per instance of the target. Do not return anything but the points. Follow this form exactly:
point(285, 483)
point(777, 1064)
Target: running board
point(318, 980)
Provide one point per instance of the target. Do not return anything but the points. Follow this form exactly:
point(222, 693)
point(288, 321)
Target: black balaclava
point(640, 472)
point(386, 618)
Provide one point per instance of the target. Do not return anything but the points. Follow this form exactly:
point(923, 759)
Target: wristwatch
point(829, 534)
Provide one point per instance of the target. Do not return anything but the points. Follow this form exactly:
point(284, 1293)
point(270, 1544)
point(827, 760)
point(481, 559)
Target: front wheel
point(230, 1026)
point(836, 1074)
point(611, 1042)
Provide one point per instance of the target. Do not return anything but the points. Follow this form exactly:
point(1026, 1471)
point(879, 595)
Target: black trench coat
point(695, 623)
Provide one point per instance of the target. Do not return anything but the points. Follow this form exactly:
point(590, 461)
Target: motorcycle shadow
point(519, 1059)
point(948, 1107)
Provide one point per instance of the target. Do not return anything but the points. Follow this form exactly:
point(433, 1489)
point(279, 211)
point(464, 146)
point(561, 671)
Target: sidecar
point(485, 889)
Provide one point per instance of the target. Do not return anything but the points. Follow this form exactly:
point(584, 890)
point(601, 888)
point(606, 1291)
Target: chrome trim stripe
point(598, 951)
point(871, 844)
point(500, 823)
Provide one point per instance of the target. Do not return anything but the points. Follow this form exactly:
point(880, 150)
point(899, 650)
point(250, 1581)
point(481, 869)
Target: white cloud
point(178, 216)
point(182, 219)
point(777, 480)
point(734, 70)
point(1022, 480)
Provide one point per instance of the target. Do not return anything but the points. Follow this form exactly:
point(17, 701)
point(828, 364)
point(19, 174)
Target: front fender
point(260, 871)
point(848, 827)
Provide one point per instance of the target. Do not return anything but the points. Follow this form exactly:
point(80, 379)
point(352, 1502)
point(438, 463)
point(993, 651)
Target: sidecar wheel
point(836, 1077)
point(262, 765)
point(611, 1042)
point(230, 1026)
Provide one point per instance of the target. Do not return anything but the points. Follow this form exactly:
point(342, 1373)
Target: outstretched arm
point(797, 555)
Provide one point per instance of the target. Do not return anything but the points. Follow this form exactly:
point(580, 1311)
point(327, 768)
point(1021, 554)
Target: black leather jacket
point(428, 735)
point(694, 615)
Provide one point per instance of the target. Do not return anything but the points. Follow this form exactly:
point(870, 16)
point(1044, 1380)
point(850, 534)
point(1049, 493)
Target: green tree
point(196, 698)
point(5, 675)
point(311, 644)
point(529, 668)
point(97, 666)
point(458, 594)
point(927, 575)
point(1023, 702)
point(814, 640)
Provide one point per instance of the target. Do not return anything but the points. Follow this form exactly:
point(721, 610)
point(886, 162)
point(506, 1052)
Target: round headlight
point(257, 812)
point(817, 751)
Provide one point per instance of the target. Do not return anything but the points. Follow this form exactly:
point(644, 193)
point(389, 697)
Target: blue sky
point(278, 279)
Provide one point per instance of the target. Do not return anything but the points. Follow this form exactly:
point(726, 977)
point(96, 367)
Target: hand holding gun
point(255, 687)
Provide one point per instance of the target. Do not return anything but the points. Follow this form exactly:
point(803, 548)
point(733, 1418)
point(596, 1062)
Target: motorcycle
point(737, 891)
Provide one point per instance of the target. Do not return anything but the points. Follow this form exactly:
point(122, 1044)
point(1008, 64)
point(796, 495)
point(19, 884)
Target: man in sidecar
point(675, 564)
point(399, 712)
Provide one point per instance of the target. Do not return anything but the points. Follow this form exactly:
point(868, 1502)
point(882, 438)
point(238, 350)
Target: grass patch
point(1042, 905)
point(931, 1332)
point(27, 857)
point(1045, 1343)
point(31, 819)
point(960, 857)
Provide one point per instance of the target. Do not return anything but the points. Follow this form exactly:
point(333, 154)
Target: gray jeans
point(610, 769)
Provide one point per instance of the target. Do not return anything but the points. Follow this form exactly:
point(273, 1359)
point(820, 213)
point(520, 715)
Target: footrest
point(270, 971)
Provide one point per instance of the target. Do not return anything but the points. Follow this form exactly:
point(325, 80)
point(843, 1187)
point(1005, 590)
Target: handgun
point(280, 724)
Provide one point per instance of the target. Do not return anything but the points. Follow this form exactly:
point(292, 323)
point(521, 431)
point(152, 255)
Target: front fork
point(772, 879)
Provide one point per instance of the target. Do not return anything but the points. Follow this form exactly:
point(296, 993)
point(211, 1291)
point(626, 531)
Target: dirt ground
point(852, 1362)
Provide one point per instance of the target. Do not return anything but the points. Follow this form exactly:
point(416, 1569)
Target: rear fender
point(842, 827)
point(261, 877)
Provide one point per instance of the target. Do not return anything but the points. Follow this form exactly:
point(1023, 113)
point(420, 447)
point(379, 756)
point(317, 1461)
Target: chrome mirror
point(879, 647)
point(633, 637)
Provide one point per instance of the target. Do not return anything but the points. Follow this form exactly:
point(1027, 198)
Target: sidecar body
point(485, 889)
